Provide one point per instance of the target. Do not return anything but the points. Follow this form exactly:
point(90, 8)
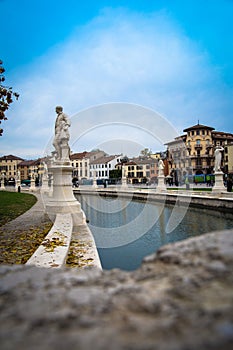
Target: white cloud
point(118, 57)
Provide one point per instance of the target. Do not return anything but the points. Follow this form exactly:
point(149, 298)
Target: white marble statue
point(161, 167)
point(62, 134)
point(218, 158)
point(45, 174)
point(18, 175)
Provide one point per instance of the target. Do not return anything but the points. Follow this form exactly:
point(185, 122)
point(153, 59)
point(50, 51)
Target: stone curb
point(54, 249)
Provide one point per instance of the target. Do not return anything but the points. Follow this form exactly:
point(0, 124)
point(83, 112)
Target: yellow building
point(29, 167)
point(229, 158)
point(9, 165)
point(193, 152)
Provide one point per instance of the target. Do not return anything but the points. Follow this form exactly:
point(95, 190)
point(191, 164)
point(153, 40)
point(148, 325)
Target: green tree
point(6, 96)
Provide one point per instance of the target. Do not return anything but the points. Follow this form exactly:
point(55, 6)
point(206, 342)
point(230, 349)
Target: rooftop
point(198, 126)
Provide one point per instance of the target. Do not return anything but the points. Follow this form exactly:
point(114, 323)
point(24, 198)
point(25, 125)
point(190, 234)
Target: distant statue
point(45, 174)
point(161, 167)
point(218, 158)
point(62, 134)
point(18, 175)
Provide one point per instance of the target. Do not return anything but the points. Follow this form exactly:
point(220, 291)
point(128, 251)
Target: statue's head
point(59, 109)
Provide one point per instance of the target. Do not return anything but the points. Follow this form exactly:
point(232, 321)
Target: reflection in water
point(120, 236)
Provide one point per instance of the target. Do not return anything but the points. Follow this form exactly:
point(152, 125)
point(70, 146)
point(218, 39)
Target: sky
point(129, 74)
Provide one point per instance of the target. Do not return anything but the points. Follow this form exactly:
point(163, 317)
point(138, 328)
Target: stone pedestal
point(2, 188)
point(161, 185)
point(45, 187)
point(62, 200)
point(94, 185)
point(32, 186)
point(124, 182)
point(218, 186)
point(17, 185)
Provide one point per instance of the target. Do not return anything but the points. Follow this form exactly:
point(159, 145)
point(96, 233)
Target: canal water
point(126, 230)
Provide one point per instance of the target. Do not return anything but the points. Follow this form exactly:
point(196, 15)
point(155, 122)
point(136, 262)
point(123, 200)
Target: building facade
point(140, 170)
point(100, 167)
point(81, 163)
point(9, 166)
point(29, 169)
point(193, 152)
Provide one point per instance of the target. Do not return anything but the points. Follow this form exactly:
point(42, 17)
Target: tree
point(145, 152)
point(6, 96)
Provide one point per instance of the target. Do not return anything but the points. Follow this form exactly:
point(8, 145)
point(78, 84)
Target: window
point(198, 132)
point(192, 133)
point(198, 142)
point(203, 132)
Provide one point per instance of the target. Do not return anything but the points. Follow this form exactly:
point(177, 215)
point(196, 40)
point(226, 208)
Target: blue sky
point(173, 57)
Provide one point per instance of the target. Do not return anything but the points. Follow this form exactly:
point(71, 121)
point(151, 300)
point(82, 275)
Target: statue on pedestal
point(62, 135)
point(218, 158)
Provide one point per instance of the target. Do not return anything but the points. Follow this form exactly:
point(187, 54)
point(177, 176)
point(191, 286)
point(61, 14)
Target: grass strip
point(13, 204)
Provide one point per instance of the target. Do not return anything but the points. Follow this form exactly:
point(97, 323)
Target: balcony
point(198, 147)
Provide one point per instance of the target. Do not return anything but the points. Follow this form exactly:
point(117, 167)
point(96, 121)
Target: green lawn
point(13, 204)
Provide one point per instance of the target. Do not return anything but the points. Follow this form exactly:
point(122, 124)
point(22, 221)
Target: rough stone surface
point(180, 299)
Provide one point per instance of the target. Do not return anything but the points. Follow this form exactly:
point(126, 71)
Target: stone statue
point(62, 135)
point(218, 158)
point(161, 167)
point(45, 174)
point(18, 175)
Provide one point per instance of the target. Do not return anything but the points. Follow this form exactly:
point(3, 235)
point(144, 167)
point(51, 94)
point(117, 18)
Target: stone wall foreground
point(180, 298)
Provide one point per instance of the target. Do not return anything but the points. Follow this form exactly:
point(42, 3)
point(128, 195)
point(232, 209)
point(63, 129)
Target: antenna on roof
point(198, 121)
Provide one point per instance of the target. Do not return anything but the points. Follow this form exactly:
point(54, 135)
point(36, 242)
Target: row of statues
point(61, 144)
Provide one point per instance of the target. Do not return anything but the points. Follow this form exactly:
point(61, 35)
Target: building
point(193, 152)
point(100, 167)
point(140, 170)
point(229, 158)
point(81, 163)
point(29, 169)
point(9, 165)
